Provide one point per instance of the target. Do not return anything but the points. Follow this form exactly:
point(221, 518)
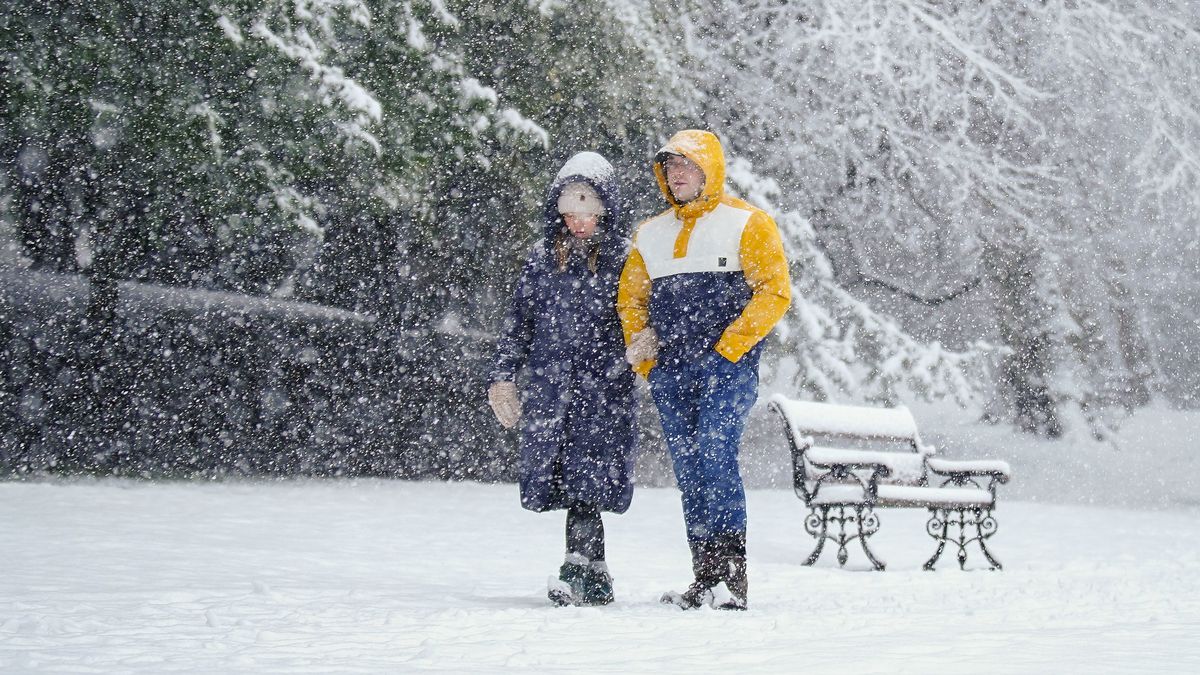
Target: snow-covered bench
point(878, 462)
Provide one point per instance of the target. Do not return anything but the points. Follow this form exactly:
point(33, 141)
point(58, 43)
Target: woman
point(575, 403)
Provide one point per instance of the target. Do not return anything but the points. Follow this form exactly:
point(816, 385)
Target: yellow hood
point(703, 148)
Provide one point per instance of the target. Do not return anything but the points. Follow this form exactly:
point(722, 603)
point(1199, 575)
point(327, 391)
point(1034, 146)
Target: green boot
point(597, 585)
point(568, 589)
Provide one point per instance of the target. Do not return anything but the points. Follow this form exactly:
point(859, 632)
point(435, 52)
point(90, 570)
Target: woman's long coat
point(563, 337)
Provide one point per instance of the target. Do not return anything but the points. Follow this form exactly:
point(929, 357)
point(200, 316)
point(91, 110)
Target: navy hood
point(593, 169)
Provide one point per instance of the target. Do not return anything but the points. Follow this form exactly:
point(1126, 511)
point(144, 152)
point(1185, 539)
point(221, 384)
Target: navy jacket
point(562, 343)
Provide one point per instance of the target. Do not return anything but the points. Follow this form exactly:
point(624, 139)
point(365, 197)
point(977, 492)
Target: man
point(705, 282)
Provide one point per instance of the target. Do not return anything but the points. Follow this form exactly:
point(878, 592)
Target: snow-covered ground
point(380, 575)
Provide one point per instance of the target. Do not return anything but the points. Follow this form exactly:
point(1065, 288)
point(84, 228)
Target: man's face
point(684, 177)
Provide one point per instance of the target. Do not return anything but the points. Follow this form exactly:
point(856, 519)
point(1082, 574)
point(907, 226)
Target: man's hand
point(643, 346)
point(502, 396)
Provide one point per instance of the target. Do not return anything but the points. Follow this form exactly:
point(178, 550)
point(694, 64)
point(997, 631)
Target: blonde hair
point(562, 250)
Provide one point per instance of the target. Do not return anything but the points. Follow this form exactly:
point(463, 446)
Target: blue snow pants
point(703, 408)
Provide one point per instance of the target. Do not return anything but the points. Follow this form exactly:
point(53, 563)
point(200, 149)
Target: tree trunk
point(1140, 369)
point(1024, 318)
point(99, 359)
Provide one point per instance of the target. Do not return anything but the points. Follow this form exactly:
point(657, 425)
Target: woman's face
point(581, 225)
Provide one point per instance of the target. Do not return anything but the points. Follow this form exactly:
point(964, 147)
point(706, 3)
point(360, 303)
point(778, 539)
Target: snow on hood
point(586, 164)
point(593, 169)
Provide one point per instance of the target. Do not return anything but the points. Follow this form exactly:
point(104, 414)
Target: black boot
point(732, 568)
point(706, 571)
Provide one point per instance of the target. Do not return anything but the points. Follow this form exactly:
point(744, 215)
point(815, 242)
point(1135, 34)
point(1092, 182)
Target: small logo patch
point(721, 262)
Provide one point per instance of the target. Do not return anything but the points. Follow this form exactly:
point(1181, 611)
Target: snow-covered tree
point(945, 152)
point(1124, 135)
point(832, 345)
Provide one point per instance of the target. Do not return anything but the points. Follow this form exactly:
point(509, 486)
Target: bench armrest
point(952, 468)
point(839, 458)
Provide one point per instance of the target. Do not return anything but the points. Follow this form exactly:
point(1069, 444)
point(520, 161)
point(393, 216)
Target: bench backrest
point(828, 419)
point(893, 429)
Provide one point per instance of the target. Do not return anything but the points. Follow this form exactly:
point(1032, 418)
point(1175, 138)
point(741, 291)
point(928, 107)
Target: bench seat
point(901, 496)
point(902, 467)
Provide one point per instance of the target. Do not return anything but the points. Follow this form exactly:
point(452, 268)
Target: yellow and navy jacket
point(707, 275)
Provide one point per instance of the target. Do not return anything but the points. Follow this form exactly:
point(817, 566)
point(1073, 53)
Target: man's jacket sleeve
point(766, 270)
point(633, 302)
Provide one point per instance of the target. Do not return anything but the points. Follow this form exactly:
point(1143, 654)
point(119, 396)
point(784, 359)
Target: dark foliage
point(204, 385)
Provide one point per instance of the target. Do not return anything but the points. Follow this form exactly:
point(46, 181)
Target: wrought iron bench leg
point(939, 524)
point(863, 522)
point(938, 528)
point(842, 537)
point(817, 526)
point(962, 539)
point(985, 527)
point(868, 525)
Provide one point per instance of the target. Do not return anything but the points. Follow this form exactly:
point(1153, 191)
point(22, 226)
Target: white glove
point(502, 396)
point(643, 346)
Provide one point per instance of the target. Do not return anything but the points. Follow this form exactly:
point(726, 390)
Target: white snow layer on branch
point(548, 7)
point(475, 91)
point(523, 126)
point(331, 79)
point(443, 14)
point(229, 28)
point(1148, 61)
point(302, 210)
point(415, 36)
point(213, 123)
point(325, 12)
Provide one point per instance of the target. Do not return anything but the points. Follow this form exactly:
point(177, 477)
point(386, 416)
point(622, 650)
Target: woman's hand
point(643, 346)
point(502, 396)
